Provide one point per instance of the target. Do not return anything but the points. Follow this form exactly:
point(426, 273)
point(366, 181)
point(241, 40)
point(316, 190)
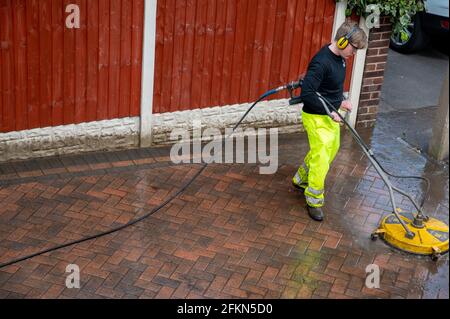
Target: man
point(326, 75)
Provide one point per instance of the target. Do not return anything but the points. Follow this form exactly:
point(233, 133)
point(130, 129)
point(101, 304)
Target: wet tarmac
point(402, 138)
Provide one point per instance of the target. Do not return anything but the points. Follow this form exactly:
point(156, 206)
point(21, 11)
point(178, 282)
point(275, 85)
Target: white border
point(148, 72)
point(339, 16)
point(358, 62)
point(357, 76)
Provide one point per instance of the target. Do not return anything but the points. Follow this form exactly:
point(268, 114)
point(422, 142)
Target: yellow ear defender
point(342, 43)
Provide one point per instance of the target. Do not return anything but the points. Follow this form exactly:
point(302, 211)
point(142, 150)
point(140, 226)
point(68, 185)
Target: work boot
point(315, 213)
point(300, 188)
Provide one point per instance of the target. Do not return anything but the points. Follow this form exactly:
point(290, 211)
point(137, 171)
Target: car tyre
point(418, 39)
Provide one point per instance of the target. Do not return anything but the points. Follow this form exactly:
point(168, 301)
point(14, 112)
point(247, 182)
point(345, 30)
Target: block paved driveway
point(233, 234)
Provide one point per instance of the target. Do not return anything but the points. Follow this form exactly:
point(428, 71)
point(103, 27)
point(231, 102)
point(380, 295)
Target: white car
point(430, 22)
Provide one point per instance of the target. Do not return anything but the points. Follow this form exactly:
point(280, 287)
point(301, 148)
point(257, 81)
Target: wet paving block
point(233, 233)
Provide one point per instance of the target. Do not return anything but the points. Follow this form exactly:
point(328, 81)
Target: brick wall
point(373, 76)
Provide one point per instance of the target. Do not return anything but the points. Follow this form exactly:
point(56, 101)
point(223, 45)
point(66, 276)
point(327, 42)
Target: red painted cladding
point(51, 75)
point(222, 52)
point(208, 53)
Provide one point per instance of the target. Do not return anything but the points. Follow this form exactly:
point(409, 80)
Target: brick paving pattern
point(233, 234)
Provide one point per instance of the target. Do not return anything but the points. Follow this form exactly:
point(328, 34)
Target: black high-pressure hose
point(292, 85)
point(361, 142)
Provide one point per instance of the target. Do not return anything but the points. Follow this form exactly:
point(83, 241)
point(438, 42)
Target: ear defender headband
point(342, 43)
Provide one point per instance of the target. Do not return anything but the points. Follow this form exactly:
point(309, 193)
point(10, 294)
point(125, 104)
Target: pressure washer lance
point(420, 217)
point(290, 86)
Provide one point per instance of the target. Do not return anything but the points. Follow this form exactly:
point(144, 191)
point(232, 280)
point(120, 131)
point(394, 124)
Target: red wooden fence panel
point(51, 75)
point(222, 52)
point(136, 56)
point(7, 66)
point(208, 53)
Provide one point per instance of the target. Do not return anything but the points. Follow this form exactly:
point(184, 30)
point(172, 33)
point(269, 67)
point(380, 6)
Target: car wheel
point(413, 39)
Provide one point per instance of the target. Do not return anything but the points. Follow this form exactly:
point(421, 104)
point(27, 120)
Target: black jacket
point(326, 75)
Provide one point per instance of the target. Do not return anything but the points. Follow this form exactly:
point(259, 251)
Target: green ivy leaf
point(404, 36)
point(405, 20)
point(399, 11)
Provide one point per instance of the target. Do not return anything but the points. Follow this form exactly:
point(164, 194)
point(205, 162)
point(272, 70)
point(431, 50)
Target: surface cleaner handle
point(325, 106)
point(344, 118)
point(375, 164)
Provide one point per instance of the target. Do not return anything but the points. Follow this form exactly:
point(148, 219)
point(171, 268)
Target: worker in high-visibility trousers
point(326, 75)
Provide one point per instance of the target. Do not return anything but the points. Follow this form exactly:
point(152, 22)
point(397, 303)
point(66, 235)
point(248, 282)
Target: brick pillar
point(373, 76)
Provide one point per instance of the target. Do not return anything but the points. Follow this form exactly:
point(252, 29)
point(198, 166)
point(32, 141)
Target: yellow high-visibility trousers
point(324, 141)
